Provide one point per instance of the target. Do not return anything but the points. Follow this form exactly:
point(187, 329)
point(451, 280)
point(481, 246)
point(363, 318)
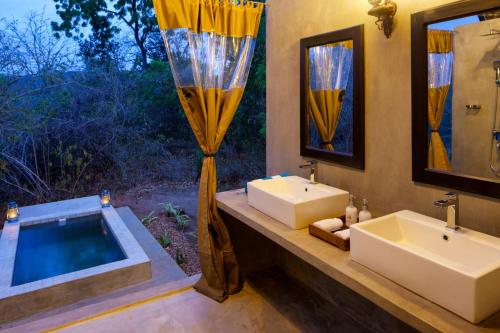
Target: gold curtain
point(438, 157)
point(345, 44)
point(224, 17)
point(210, 112)
point(325, 107)
point(439, 43)
point(210, 81)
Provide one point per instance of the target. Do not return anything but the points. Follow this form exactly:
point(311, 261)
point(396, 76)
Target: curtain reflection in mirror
point(330, 66)
point(440, 69)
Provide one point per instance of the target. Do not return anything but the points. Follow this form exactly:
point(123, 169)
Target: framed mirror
point(332, 97)
point(455, 96)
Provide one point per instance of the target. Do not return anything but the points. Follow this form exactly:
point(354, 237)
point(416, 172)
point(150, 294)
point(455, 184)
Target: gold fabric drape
point(223, 17)
point(440, 42)
point(210, 47)
point(325, 107)
point(438, 158)
point(210, 112)
point(348, 44)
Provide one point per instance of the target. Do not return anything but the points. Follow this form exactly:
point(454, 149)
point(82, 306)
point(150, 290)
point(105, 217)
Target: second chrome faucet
point(313, 166)
point(451, 203)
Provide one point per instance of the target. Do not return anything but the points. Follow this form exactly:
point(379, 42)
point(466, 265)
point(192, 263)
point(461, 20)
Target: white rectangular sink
point(459, 270)
point(296, 202)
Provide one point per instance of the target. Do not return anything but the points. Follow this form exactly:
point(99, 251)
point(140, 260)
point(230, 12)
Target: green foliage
point(182, 220)
point(180, 258)
point(169, 209)
point(67, 134)
point(164, 240)
point(100, 16)
point(150, 218)
point(247, 130)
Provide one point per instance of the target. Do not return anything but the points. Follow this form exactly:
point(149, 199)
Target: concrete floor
point(270, 302)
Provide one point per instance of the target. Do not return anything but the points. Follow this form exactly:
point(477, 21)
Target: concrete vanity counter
point(406, 306)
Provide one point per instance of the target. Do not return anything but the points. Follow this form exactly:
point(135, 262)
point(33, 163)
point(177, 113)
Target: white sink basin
point(459, 270)
point(296, 202)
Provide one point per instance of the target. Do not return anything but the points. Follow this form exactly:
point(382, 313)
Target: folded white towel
point(344, 234)
point(329, 225)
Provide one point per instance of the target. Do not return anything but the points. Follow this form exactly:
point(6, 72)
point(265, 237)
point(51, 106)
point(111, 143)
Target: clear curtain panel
point(440, 69)
point(208, 60)
point(330, 66)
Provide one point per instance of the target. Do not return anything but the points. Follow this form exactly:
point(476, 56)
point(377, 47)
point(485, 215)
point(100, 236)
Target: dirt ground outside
point(147, 202)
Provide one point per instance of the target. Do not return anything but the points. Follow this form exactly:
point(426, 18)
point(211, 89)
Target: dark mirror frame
point(357, 159)
point(421, 173)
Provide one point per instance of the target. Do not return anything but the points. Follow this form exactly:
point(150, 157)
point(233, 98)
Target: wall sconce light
point(384, 12)
point(12, 212)
point(105, 199)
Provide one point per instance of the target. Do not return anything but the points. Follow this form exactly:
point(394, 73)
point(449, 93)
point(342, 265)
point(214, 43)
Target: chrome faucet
point(451, 203)
point(313, 166)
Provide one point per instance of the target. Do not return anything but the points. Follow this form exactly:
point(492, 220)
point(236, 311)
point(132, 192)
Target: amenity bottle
point(351, 212)
point(364, 214)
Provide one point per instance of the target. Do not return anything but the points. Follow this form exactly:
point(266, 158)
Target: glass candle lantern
point(105, 198)
point(12, 212)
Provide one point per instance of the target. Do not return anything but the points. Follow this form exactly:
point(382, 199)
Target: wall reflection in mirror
point(463, 95)
point(330, 97)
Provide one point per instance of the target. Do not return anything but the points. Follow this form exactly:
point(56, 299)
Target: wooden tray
point(329, 237)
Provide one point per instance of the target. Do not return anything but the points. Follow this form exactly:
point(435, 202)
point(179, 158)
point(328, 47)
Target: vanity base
point(260, 241)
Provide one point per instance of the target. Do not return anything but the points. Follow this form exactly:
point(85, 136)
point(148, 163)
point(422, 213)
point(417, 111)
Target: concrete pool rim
point(50, 212)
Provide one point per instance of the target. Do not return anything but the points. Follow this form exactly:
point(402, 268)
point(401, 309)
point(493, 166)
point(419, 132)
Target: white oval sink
point(296, 202)
point(459, 270)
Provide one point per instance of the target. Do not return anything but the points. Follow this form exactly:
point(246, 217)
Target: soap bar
point(329, 225)
point(344, 234)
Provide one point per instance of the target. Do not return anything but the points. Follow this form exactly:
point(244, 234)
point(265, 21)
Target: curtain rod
point(244, 2)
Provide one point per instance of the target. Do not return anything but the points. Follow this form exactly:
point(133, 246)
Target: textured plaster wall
point(474, 83)
point(386, 181)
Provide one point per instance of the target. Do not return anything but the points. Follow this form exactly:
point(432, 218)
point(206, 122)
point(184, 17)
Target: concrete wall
point(474, 83)
point(386, 182)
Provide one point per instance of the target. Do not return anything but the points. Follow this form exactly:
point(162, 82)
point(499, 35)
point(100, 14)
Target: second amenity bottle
point(364, 214)
point(351, 212)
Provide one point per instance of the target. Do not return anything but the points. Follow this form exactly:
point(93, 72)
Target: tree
point(28, 48)
point(98, 51)
point(103, 18)
point(31, 49)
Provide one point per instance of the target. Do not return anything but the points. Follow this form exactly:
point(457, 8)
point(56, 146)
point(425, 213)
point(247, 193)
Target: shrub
point(182, 220)
point(164, 240)
point(180, 259)
point(148, 219)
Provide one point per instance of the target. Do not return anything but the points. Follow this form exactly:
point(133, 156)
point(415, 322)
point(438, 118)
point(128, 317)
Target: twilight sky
point(17, 9)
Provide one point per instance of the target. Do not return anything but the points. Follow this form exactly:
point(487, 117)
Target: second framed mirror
point(332, 97)
point(455, 96)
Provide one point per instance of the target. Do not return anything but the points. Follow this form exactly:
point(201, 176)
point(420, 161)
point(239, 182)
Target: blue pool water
point(48, 249)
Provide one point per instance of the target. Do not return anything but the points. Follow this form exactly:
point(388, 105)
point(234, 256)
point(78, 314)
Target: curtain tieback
point(435, 131)
point(210, 154)
point(326, 142)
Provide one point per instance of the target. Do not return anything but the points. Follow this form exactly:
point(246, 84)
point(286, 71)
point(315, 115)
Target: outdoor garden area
point(88, 101)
